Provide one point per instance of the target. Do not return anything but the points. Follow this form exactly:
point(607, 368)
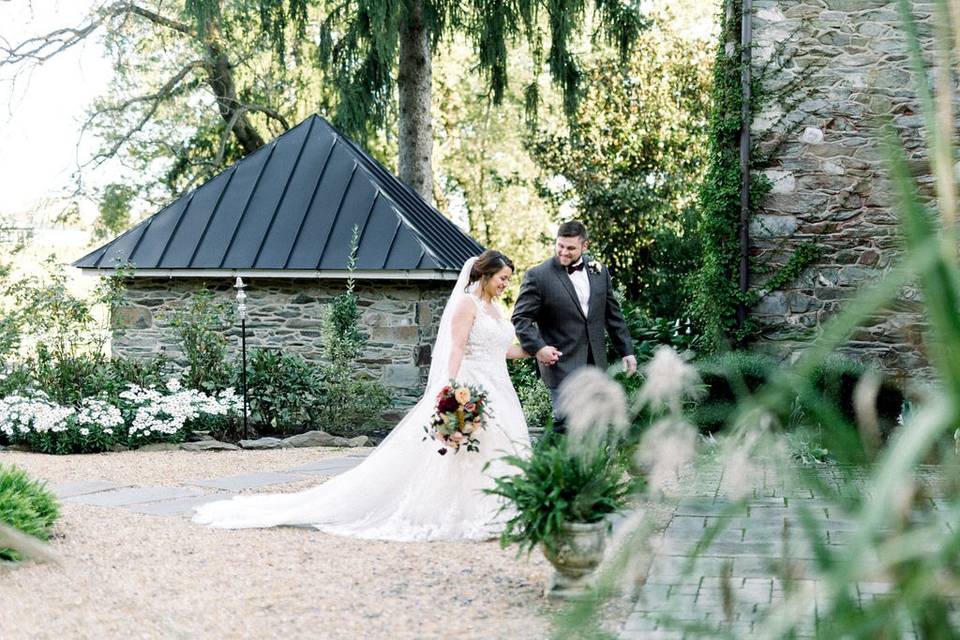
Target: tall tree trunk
point(220, 80)
point(414, 79)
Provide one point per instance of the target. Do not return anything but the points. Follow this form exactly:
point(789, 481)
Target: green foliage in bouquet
point(459, 413)
point(26, 505)
point(555, 486)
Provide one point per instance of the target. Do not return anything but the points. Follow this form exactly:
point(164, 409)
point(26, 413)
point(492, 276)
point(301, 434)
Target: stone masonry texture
point(835, 71)
point(399, 318)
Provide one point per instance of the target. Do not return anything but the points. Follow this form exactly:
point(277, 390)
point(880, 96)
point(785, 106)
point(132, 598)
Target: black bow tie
point(575, 267)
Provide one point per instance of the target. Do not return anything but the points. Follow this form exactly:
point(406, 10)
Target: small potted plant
point(560, 500)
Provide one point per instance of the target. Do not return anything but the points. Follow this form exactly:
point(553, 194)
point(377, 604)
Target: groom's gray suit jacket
point(548, 312)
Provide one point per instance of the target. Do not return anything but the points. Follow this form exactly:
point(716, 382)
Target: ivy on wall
point(715, 286)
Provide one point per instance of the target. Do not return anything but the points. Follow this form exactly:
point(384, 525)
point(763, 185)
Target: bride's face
point(498, 282)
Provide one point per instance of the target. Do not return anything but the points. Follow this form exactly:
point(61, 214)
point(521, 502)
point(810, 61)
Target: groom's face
point(569, 250)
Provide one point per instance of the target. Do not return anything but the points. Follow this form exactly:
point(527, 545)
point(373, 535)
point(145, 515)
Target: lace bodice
point(489, 337)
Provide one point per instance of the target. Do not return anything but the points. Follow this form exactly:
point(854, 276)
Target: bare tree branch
point(156, 18)
point(154, 100)
point(271, 113)
point(39, 49)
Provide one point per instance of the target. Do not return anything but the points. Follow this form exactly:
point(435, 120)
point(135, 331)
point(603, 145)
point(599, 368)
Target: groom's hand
point(630, 364)
point(548, 355)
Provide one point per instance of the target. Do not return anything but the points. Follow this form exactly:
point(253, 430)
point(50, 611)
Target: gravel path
point(126, 575)
point(164, 467)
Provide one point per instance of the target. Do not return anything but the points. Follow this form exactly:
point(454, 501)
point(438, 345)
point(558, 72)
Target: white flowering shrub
point(140, 415)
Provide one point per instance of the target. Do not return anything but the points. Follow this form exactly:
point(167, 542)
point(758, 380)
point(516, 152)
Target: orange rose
point(462, 395)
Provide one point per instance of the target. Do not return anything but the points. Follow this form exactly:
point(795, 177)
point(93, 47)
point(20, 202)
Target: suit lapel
point(561, 275)
point(598, 292)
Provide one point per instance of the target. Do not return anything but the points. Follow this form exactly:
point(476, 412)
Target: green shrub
point(26, 505)
point(835, 381)
point(554, 487)
point(728, 377)
point(14, 378)
point(202, 332)
point(732, 376)
point(353, 403)
point(283, 391)
point(154, 371)
point(68, 379)
point(649, 333)
point(48, 314)
point(533, 394)
point(138, 416)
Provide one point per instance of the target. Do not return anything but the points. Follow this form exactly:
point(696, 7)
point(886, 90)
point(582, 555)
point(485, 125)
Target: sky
point(41, 110)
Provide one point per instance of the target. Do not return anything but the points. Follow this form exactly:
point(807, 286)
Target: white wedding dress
point(405, 490)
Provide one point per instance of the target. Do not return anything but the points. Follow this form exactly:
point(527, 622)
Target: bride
point(404, 490)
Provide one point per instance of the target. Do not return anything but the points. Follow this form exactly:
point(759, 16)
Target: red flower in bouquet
point(458, 416)
point(446, 404)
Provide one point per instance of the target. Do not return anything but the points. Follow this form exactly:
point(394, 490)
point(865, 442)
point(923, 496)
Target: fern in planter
point(554, 487)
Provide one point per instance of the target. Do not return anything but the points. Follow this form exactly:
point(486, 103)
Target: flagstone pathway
point(180, 499)
point(729, 586)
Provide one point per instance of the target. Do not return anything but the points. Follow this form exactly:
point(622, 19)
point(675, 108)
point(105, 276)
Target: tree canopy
point(630, 164)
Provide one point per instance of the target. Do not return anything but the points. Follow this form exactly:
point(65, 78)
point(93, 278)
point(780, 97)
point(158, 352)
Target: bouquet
point(460, 412)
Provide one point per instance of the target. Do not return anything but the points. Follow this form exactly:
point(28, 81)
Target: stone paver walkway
point(181, 498)
point(730, 585)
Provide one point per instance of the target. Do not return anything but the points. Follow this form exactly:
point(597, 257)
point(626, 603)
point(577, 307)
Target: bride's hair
point(488, 264)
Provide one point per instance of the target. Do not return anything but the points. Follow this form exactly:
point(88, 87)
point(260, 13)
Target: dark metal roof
point(292, 205)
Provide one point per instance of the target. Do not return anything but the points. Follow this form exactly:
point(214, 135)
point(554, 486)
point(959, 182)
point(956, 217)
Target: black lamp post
point(242, 312)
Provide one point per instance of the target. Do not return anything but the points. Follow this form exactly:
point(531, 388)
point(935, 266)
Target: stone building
point(834, 71)
point(283, 218)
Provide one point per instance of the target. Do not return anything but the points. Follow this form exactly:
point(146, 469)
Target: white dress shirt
point(581, 283)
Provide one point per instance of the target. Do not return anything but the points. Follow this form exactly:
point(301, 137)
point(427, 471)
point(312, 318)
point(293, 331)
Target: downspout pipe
point(746, 45)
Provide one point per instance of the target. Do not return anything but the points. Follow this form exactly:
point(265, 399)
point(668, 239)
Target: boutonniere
point(594, 266)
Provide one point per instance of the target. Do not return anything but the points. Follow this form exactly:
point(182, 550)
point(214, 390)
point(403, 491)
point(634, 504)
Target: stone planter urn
point(578, 552)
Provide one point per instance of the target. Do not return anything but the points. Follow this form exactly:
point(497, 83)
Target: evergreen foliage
point(352, 404)
point(359, 42)
point(631, 163)
point(284, 391)
point(26, 505)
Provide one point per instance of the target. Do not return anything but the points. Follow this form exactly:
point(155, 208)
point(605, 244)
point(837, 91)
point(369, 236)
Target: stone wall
point(399, 318)
point(848, 62)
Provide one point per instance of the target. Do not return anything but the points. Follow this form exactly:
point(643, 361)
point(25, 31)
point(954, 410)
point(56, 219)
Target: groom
point(564, 307)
